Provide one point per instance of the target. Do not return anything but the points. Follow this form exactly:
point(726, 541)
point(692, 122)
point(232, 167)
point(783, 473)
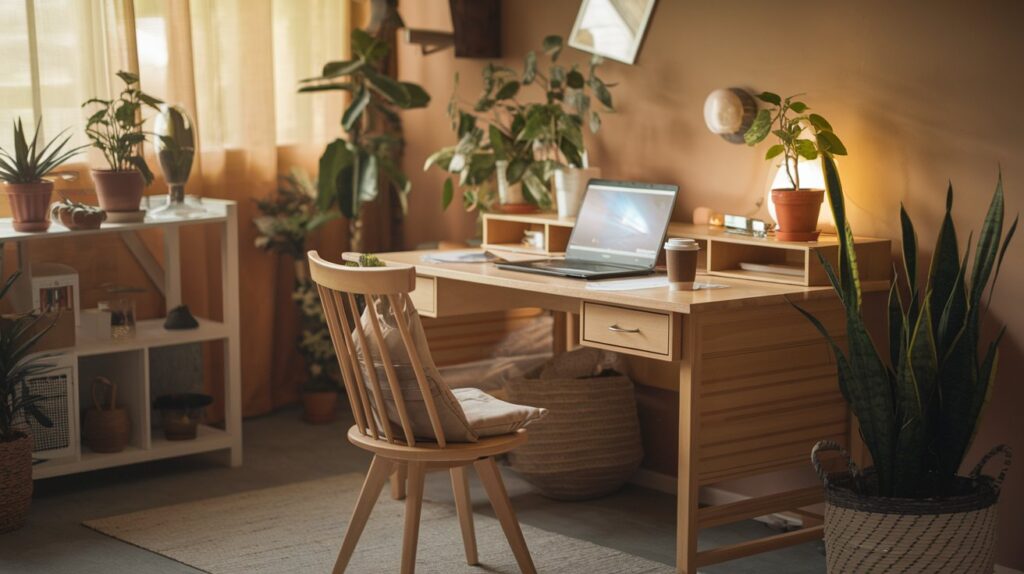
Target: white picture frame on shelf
point(612, 29)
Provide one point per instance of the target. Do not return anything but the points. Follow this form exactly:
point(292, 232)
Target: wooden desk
point(756, 382)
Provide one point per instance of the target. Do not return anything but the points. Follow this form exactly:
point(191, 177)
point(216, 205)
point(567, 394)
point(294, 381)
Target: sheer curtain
point(234, 65)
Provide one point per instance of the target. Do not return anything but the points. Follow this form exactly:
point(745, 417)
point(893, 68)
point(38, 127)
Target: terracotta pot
point(30, 205)
point(319, 407)
point(797, 213)
point(15, 482)
point(119, 190)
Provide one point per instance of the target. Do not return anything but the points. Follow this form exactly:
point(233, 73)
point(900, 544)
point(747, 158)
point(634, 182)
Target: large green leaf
point(448, 191)
point(418, 97)
point(945, 265)
point(507, 91)
point(339, 68)
point(336, 160)
point(392, 90)
point(498, 142)
point(355, 109)
point(369, 178)
point(759, 129)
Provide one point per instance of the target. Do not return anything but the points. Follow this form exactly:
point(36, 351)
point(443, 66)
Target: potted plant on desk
point(918, 403)
point(524, 146)
point(24, 175)
point(796, 208)
point(115, 128)
point(17, 404)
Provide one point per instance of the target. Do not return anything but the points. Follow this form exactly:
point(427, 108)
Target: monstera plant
point(919, 401)
point(352, 168)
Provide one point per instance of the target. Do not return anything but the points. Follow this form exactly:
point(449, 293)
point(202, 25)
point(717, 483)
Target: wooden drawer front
point(631, 331)
point(424, 296)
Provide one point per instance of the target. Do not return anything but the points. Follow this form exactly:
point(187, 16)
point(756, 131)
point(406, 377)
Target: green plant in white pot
point(918, 402)
point(511, 150)
point(24, 174)
point(790, 122)
point(18, 404)
point(115, 128)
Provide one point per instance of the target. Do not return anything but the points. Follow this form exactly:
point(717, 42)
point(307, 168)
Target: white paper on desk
point(462, 256)
point(651, 282)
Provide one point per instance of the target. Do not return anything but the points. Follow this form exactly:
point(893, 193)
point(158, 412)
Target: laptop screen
point(622, 223)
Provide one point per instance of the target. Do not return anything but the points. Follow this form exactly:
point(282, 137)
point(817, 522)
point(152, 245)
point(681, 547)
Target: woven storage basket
point(15, 482)
point(956, 534)
point(106, 428)
point(589, 443)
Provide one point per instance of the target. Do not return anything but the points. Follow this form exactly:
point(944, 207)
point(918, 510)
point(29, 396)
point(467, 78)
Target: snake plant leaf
point(960, 382)
point(897, 326)
point(988, 244)
point(945, 263)
point(849, 277)
point(1002, 252)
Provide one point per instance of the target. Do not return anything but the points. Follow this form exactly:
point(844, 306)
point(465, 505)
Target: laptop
point(619, 232)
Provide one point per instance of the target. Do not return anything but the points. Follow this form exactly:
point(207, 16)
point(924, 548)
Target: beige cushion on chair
point(489, 416)
point(453, 421)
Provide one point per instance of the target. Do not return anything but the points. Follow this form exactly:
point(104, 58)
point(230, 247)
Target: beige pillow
point(453, 421)
point(489, 416)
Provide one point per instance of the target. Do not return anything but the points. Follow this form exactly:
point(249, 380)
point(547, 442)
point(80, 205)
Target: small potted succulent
point(18, 404)
point(796, 208)
point(524, 145)
point(24, 176)
point(115, 128)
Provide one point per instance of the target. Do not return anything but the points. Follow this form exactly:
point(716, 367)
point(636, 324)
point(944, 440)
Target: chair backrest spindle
point(386, 294)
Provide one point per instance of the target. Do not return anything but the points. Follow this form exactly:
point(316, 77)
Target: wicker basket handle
point(1007, 459)
point(825, 445)
point(103, 382)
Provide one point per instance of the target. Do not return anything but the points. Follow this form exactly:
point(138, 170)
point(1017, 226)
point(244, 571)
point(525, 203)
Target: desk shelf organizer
point(722, 254)
point(127, 361)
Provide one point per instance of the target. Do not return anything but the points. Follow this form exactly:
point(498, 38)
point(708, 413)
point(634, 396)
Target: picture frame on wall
point(612, 29)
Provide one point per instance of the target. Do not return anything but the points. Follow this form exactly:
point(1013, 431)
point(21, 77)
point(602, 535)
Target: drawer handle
point(616, 329)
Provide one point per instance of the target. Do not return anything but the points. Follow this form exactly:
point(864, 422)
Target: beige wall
point(920, 92)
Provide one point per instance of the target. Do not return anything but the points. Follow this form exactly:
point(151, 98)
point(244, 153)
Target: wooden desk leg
point(688, 484)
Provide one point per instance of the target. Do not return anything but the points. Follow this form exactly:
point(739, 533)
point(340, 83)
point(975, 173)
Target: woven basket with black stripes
point(955, 534)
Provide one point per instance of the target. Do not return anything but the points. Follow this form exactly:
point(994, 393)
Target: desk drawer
point(631, 331)
point(424, 297)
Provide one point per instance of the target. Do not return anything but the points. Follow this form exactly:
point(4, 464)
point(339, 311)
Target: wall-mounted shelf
point(723, 253)
point(127, 361)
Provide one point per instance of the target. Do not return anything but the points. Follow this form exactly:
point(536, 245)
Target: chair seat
point(430, 452)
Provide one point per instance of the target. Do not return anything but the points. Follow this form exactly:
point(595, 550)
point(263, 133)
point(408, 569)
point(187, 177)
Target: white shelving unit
point(129, 359)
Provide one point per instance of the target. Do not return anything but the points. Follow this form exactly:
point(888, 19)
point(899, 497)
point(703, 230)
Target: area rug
point(297, 529)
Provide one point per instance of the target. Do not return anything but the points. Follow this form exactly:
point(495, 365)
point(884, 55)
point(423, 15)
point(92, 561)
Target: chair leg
point(413, 502)
point(398, 481)
point(491, 477)
point(460, 487)
point(380, 468)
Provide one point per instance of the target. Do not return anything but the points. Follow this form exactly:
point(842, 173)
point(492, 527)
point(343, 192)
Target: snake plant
point(918, 402)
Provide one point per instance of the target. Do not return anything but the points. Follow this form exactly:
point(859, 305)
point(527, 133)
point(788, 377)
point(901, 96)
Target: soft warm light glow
point(811, 177)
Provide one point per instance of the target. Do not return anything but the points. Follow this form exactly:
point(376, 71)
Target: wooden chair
point(395, 448)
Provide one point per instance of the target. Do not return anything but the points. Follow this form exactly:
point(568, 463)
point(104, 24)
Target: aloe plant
point(919, 401)
point(30, 163)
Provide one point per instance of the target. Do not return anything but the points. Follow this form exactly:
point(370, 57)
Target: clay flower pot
point(30, 205)
point(797, 213)
point(319, 407)
point(119, 190)
point(15, 482)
